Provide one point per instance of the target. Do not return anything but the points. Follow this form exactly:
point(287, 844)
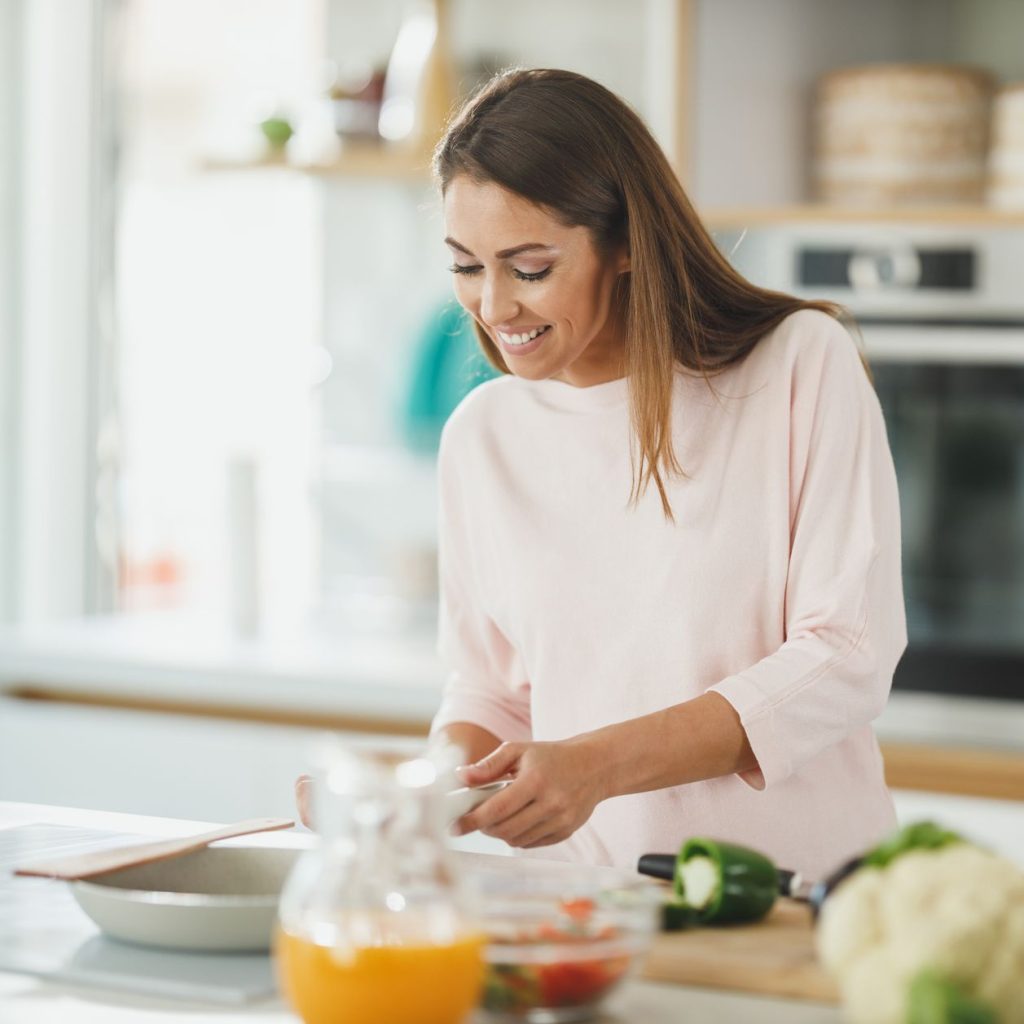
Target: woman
point(670, 569)
point(670, 554)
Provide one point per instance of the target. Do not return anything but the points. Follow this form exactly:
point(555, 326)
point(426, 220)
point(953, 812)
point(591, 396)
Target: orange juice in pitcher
point(375, 926)
point(418, 984)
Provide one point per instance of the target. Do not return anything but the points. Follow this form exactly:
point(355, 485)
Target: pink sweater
point(778, 586)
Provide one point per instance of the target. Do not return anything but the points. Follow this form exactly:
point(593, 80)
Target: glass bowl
point(557, 946)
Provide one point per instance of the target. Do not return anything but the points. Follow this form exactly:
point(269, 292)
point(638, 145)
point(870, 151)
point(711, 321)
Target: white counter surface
point(391, 676)
point(26, 1000)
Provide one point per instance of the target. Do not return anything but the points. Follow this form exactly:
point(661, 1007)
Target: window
point(217, 298)
point(10, 125)
point(228, 421)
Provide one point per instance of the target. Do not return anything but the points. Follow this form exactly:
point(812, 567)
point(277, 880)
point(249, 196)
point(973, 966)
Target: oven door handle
point(958, 345)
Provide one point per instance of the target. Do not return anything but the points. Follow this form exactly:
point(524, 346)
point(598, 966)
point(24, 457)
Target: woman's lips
point(526, 348)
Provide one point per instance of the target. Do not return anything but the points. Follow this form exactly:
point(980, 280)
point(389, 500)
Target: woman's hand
point(304, 799)
point(556, 788)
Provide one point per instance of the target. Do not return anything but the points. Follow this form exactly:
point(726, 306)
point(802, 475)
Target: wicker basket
point(902, 134)
point(1006, 161)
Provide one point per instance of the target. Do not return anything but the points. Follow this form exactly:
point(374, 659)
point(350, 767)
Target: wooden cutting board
point(774, 957)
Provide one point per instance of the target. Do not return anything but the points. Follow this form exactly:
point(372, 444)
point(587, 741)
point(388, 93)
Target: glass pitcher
point(375, 925)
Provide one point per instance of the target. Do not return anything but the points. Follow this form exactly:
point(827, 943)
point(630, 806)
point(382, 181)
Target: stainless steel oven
point(941, 312)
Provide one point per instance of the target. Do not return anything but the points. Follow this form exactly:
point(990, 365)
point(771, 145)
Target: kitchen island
point(28, 1000)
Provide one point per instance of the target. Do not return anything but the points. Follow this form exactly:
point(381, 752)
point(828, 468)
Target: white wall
point(10, 135)
point(991, 34)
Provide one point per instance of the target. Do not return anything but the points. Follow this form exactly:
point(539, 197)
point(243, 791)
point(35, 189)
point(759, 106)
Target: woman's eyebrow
point(504, 254)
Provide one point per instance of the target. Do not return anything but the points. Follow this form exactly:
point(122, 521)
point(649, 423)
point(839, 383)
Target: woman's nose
point(497, 303)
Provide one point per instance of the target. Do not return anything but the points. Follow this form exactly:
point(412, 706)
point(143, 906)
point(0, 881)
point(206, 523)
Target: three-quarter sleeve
point(845, 626)
point(486, 683)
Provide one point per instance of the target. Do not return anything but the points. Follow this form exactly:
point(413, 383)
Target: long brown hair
point(571, 146)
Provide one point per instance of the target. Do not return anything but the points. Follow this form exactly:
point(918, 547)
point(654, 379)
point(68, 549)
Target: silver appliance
point(941, 313)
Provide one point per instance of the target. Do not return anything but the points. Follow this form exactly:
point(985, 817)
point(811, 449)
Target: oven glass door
point(956, 428)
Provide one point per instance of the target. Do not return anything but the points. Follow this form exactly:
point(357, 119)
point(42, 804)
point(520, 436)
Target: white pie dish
point(216, 899)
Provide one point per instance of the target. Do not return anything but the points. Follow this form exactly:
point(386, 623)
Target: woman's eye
point(521, 275)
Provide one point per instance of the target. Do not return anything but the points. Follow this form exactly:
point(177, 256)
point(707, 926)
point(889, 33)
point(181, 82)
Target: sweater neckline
point(560, 395)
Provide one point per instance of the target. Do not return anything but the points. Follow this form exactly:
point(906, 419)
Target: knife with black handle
point(791, 883)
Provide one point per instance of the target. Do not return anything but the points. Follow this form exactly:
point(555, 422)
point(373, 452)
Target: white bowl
point(216, 899)
point(461, 801)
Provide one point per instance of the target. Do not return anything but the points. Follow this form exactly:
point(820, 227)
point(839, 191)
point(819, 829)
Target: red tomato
point(579, 910)
point(579, 981)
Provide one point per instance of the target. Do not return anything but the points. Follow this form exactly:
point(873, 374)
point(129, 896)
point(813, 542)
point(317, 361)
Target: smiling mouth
point(524, 338)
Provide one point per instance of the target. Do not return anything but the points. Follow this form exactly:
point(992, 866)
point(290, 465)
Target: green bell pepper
point(725, 883)
point(677, 916)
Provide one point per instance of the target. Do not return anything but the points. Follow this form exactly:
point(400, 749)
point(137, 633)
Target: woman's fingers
point(492, 767)
point(546, 839)
point(525, 820)
point(538, 824)
point(494, 809)
point(535, 819)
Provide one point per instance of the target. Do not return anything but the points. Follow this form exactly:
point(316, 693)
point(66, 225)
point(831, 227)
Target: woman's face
point(540, 290)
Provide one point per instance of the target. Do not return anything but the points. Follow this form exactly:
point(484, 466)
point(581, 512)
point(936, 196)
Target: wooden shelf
point(362, 161)
point(373, 162)
point(226, 163)
point(739, 217)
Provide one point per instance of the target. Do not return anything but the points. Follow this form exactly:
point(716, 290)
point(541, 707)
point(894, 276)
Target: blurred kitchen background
point(228, 345)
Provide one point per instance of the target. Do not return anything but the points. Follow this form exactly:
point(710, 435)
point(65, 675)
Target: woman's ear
point(623, 264)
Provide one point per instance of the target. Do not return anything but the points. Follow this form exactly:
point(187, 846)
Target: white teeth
point(521, 339)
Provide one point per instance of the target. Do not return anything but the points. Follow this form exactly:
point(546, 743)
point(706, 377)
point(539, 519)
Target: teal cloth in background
point(447, 364)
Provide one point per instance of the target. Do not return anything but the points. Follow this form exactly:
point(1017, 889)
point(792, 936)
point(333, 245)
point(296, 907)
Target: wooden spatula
point(86, 865)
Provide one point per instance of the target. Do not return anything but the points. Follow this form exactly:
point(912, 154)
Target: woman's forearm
point(699, 739)
point(476, 742)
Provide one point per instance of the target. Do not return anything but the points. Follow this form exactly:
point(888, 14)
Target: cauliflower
point(955, 912)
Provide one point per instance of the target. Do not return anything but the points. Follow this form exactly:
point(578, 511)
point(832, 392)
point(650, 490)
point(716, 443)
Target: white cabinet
point(174, 765)
point(177, 766)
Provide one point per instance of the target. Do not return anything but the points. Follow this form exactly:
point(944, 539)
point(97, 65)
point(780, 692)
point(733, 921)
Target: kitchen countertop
point(998, 824)
point(395, 677)
point(164, 656)
point(25, 1000)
